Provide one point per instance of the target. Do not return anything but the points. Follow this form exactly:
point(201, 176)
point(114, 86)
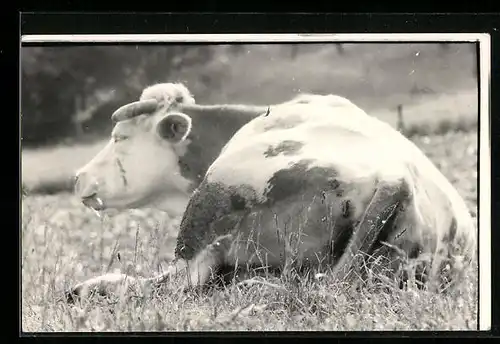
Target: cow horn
point(134, 109)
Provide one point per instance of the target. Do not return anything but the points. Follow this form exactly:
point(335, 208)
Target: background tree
point(66, 90)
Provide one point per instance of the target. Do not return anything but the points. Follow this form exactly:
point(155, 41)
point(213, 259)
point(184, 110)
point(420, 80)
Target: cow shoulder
point(213, 210)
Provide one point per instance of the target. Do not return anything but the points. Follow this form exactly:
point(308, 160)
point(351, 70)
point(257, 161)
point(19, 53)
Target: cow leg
point(383, 205)
point(101, 285)
point(205, 265)
point(108, 283)
point(197, 271)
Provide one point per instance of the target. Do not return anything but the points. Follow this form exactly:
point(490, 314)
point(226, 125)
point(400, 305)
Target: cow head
point(139, 166)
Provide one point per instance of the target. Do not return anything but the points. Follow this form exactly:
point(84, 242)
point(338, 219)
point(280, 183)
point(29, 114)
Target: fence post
point(400, 123)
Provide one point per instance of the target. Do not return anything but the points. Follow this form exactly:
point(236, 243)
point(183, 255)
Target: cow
point(160, 149)
point(308, 181)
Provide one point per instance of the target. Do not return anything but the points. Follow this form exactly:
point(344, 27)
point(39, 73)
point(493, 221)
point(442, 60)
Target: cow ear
point(174, 127)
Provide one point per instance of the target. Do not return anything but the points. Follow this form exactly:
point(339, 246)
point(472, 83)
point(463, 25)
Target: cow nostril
point(84, 186)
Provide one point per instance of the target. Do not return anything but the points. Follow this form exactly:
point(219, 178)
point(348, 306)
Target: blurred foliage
point(65, 90)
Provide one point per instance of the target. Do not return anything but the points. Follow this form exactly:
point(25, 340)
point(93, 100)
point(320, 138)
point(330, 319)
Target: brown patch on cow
point(242, 196)
point(282, 123)
point(297, 179)
point(333, 184)
point(213, 210)
point(238, 202)
point(209, 202)
point(415, 251)
point(287, 148)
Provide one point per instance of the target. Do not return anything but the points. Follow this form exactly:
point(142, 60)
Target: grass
point(64, 243)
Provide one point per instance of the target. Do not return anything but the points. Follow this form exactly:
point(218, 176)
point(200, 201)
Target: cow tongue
point(94, 203)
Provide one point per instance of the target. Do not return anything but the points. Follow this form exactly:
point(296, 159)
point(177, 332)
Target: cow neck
point(213, 126)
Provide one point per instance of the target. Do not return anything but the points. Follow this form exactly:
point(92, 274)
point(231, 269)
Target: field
point(64, 243)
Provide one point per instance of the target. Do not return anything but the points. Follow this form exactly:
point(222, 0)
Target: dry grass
point(64, 243)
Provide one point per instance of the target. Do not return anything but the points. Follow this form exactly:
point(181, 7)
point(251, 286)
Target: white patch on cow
point(332, 142)
point(329, 99)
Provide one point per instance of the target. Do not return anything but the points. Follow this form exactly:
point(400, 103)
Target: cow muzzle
point(86, 189)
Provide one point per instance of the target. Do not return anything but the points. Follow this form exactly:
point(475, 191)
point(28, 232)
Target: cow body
point(312, 181)
point(298, 182)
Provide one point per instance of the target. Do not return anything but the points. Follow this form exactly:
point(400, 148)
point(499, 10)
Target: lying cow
point(304, 182)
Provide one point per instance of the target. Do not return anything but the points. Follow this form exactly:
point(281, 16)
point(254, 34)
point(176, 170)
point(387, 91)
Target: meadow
point(64, 243)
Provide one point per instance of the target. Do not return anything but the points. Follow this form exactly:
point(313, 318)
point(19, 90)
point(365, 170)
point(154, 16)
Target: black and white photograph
point(285, 182)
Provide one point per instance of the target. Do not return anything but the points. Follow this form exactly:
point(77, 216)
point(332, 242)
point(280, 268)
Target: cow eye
point(120, 138)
